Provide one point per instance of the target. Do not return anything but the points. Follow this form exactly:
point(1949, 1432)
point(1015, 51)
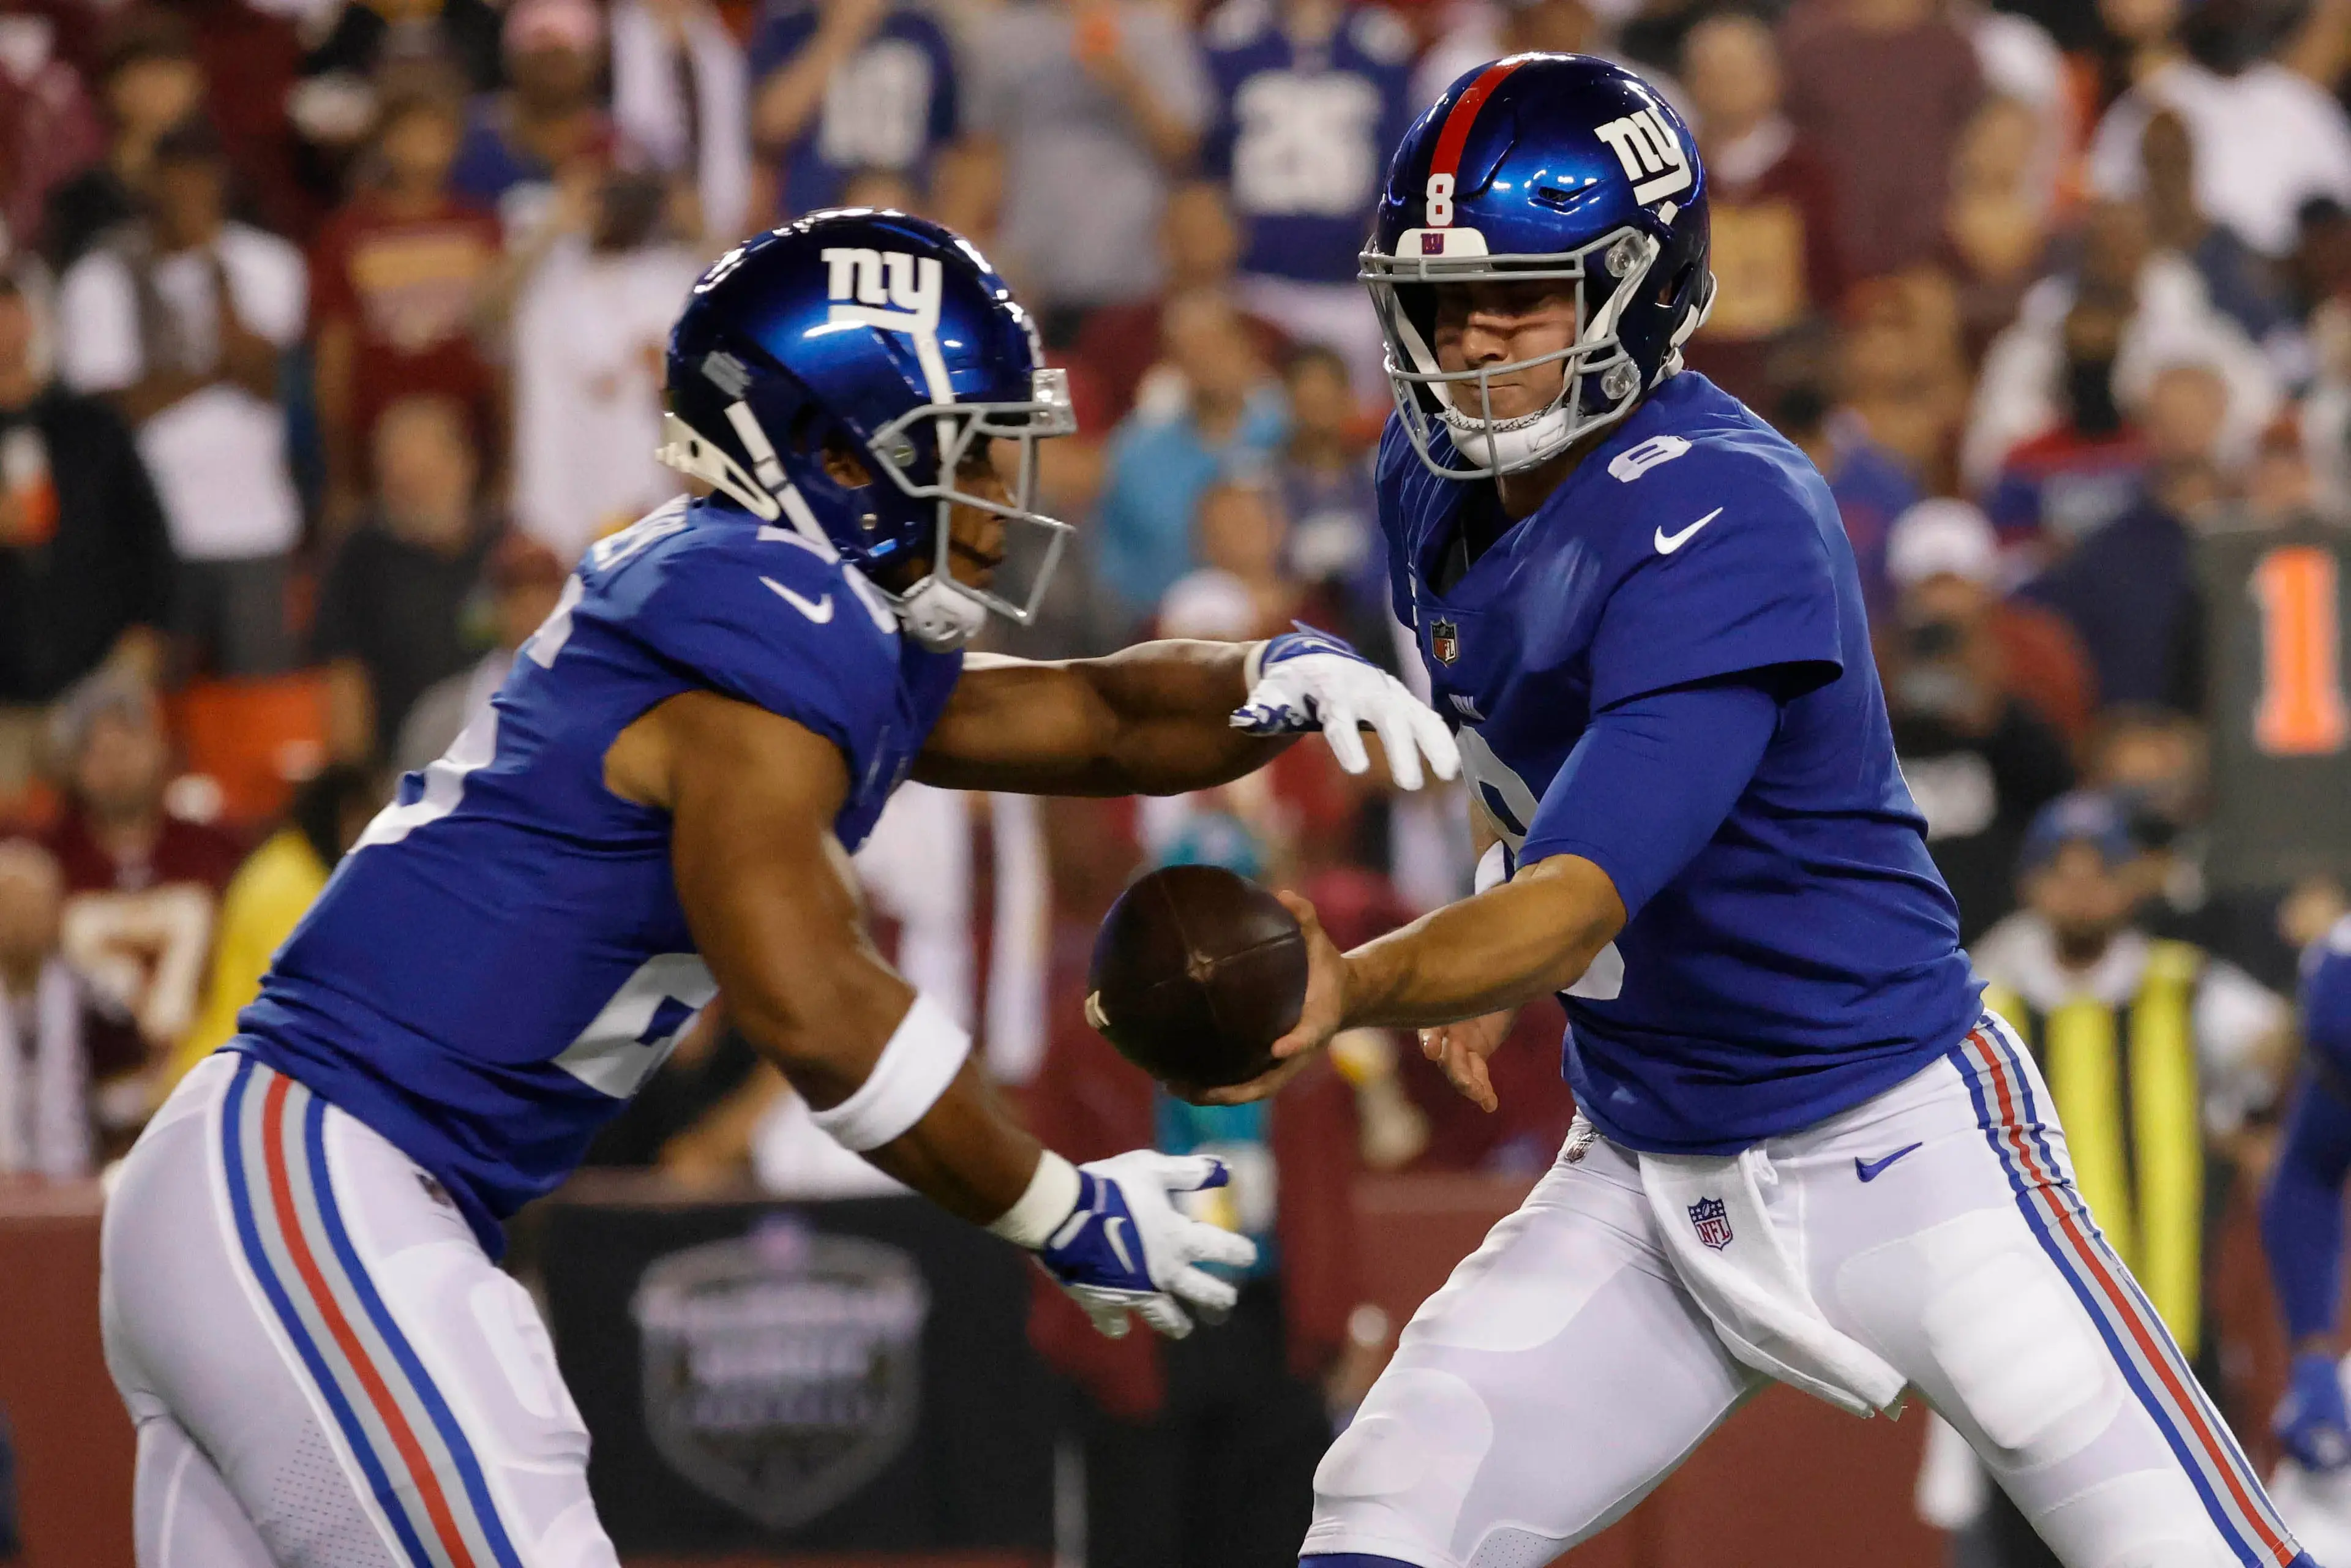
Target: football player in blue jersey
point(2302, 1227)
point(1806, 1152)
point(299, 1300)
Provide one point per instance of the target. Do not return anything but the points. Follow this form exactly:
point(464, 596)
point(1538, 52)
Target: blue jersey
point(502, 959)
point(891, 106)
point(1808, 956)
point(1302, 135)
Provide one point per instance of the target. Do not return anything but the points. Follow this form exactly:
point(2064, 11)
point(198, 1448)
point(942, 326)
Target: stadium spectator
point(1904, 370)
point(1996, 226)
point(182, 317)
point(1223, 415)
point(268, 895)
point(1979, 759)
point(599, 291)
point(1946, 550)
point(525, 583)
point(1478, 31)
point(142, 883)
point(1092, 107)
point(1885, 88)
point(2238, 282)
point(151, 84)
point(1310, 98)
point(520, 140)
point(1199, 246)
point(1871, 485)
point(57, 1033)
point(48, 130)
point(2166, 317)
point(393, 606)
point(252, 60)
point(2265, 138)
point(1776, 260)
point(1240, 591)
point(363, 39)
point(85, 566)
point(2056, 488)
point(2130, 589)
point(847, 86)
point(1323, 479)
point(681, 102)
point(395, 281)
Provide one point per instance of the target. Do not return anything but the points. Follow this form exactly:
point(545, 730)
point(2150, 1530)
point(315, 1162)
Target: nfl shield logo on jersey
point(1713, 1222)
point(782, 1371)
point(1445, 640)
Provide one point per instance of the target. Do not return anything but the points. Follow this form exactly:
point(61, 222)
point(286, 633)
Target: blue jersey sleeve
point(1727, 569)
point(783, 32)
point(1650, 782)
point(776, 626)
point(2302, 1212)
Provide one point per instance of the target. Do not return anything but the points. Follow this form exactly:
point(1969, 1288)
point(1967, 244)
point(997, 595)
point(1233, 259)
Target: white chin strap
point(1507, 444)
point(939, 614)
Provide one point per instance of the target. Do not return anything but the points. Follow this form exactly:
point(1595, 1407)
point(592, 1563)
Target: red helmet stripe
point(1447, 159)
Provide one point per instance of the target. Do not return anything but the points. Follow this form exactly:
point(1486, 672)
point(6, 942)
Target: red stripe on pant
point(387, 1409)
point(2156, 1346)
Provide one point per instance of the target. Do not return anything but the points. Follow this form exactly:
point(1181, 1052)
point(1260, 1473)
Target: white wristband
point(1493, 867)
point(914, 1068)
point(1053, 1194)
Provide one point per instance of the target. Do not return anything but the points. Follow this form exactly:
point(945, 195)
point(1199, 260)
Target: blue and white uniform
point(422, 1060)
point(1785, 1012)
point(1806, 1152)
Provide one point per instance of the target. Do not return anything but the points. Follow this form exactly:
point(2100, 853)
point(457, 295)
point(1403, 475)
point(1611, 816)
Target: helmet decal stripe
point(1447, 158)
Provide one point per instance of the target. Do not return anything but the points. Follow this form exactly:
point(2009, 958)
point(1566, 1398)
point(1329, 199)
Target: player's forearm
point(2302, 1212)
point(967, 1155)
point(1531, 936)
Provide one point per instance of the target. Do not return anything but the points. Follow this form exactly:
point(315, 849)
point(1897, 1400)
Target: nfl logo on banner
point(1713, 1222)
point(1445, 640)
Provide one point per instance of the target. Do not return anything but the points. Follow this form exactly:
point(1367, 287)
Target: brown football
point(1196, 972)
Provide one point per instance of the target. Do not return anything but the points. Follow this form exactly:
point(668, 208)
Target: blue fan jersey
point(1808, 956)
point(502, 960)
point(1300, 135)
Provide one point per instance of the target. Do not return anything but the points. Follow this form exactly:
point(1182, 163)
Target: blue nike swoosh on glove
point(1870, 1170)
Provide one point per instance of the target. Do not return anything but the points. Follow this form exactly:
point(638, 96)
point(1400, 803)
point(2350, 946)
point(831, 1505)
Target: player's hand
point(1323, 1016)
point(1310, 680)
point(2311, 1421)
point(1462, 1048)
point(1125, 1247)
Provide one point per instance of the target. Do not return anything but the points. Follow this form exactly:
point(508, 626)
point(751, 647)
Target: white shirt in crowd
point(218, 455)
point(652, 113)
point(2267, 139)
point(588, 332)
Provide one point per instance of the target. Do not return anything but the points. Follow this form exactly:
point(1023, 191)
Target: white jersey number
point(1511, 805)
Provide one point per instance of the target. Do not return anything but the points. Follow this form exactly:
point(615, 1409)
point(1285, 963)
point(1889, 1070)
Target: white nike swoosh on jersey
point(1666, 543)
point(1117, 1244)
point(818, 609)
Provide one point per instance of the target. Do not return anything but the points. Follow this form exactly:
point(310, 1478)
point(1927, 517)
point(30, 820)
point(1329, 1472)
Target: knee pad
point(1403, 1469)
point(2145, 1519)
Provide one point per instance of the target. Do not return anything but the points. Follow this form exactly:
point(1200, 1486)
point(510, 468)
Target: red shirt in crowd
point(406, 288)
point(142, 931)
point(1774, 253)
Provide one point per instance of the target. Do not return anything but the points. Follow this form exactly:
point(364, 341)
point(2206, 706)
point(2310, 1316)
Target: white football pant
point(325, 1368)
point(1563, 1371)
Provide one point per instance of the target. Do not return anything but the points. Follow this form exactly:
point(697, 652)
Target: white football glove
point(1124, 1247)
point(1309, 680)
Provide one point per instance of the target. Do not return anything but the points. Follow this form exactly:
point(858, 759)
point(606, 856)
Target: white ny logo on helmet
point(1652, 154)
point(889, 290)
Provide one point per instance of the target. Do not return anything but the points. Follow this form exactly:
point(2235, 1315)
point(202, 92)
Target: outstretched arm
point(1164, 717)
point(1649, 783)
point(772, 903)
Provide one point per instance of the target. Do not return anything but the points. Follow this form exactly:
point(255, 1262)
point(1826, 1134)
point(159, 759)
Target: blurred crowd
point(331, 332)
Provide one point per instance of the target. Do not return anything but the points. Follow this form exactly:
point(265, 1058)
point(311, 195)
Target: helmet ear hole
point(1676, 288)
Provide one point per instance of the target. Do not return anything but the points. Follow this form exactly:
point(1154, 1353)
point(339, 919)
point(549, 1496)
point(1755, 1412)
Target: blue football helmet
point(1540, 167)
point(889, 339)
